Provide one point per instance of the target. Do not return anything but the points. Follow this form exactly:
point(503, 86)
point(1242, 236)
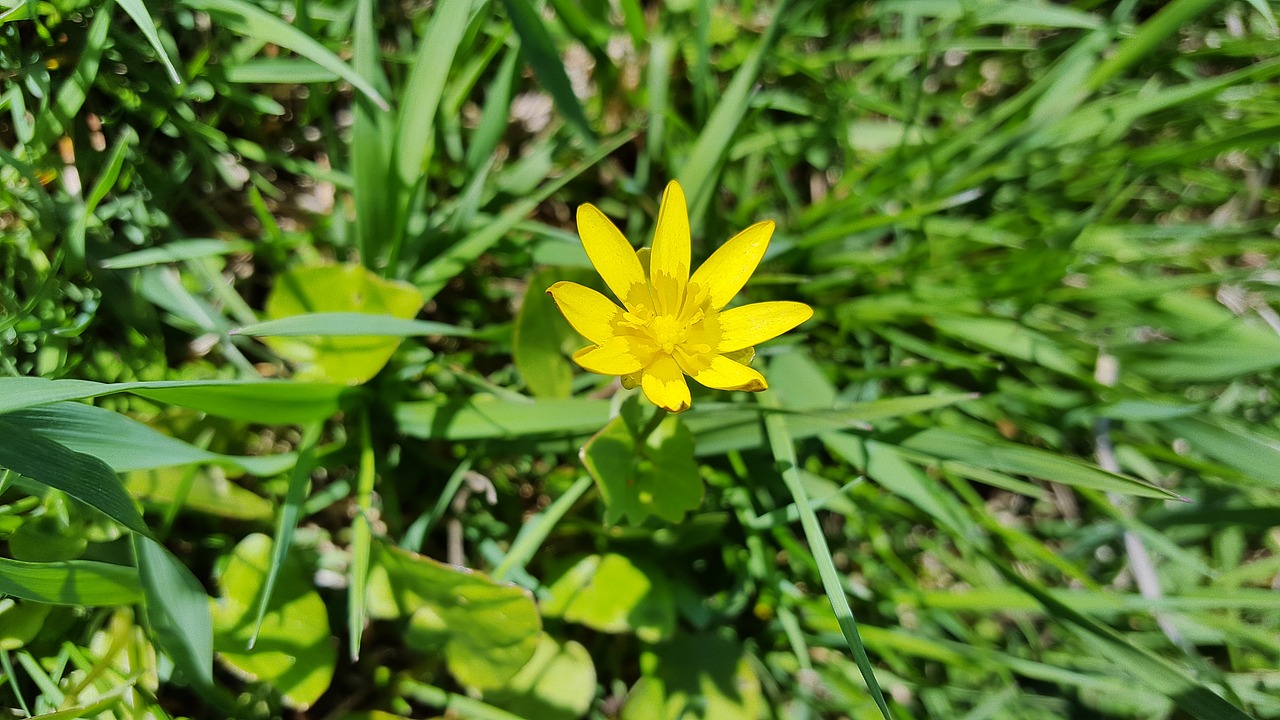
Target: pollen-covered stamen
point(668, 332)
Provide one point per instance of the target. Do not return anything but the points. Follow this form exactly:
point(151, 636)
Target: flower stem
point(642, 438)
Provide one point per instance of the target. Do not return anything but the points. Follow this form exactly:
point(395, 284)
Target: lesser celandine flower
point(670, 324)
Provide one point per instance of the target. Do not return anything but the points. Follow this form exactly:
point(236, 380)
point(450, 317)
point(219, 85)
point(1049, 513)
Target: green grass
point(1030, 439)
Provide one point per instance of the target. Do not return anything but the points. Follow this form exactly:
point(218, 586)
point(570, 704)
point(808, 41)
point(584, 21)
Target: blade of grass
point(374, 190)
point(424, 87)
point(138, 11)
point(299, 483)
point(539, 50)
point(784, 454)
point(698, 172)
point(263, 27)
point(535, 531)
point(361, 542)
point(1150, 34)
point(177, 609)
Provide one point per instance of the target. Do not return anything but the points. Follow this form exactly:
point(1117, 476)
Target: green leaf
point(138, 11)
point(20, 622)
point(782, 444)
point(700, 676)
point(540, 332)
point(487, 417)
point(1011, 339)
point(126, 444)
point(558, 683)
point(83, 477)
point(487, 630)
point(697, 174)
point(70, 582)
point(657, 478)
point(612, 594)
point(424, 86)
point(294, 653)
point(1008, 457)
point(539, 50)
point(351, 291)
point(264, 401)
point(263, 27)
point(177, 610)
point(1254, 455)
point(177, 251)
point(205, 492)
point(349, 324)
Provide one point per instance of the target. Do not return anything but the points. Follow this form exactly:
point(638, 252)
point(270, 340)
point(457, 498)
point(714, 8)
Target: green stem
point(643, 436)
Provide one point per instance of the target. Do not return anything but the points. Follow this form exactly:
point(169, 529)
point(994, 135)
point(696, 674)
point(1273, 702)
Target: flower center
point(667, 332)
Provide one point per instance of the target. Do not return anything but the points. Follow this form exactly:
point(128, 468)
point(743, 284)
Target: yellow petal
point(749, 325)
point(620, 355)
point(721, 372)
point(609, 251)
point(589, 312)
point(664, 384)
point(669, 263)
point(727, 270)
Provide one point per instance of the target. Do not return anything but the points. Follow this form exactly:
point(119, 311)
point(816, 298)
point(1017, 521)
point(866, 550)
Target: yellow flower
point(671, 324)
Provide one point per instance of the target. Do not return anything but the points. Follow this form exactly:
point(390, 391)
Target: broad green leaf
point(349, 289)
point(558, 683)
point(83, 477)
point(1009, 457)
point(263, 27)
point(612, 594)
point(486, 417)
point(207, 492)
point(264, 401)
point(487, 630)
point(294, 653)
point(177, 610)
point(540, 332)
point(126, 444)
point(70, 582)
point(699, 676)
point(658, 477)
point(21, 621)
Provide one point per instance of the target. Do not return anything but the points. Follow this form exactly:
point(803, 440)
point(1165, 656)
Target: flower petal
point(727, 270)
point(749, 325)
point(664, 384)
point(589, 312)
point(609, 251)
point(669, 263)
point(721, 372)
point(620, 355)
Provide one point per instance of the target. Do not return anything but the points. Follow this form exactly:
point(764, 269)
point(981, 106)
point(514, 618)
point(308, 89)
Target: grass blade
point(260, 25)
point(290, 513)
point(415, 129)
point(138, 11)
point(699, 170)
point(540, 52)
point(784, 452)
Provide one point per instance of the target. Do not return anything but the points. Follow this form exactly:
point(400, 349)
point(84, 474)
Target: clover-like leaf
point(486, 630)
point(294, 652)
point(657, 477)
point(612, 594)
